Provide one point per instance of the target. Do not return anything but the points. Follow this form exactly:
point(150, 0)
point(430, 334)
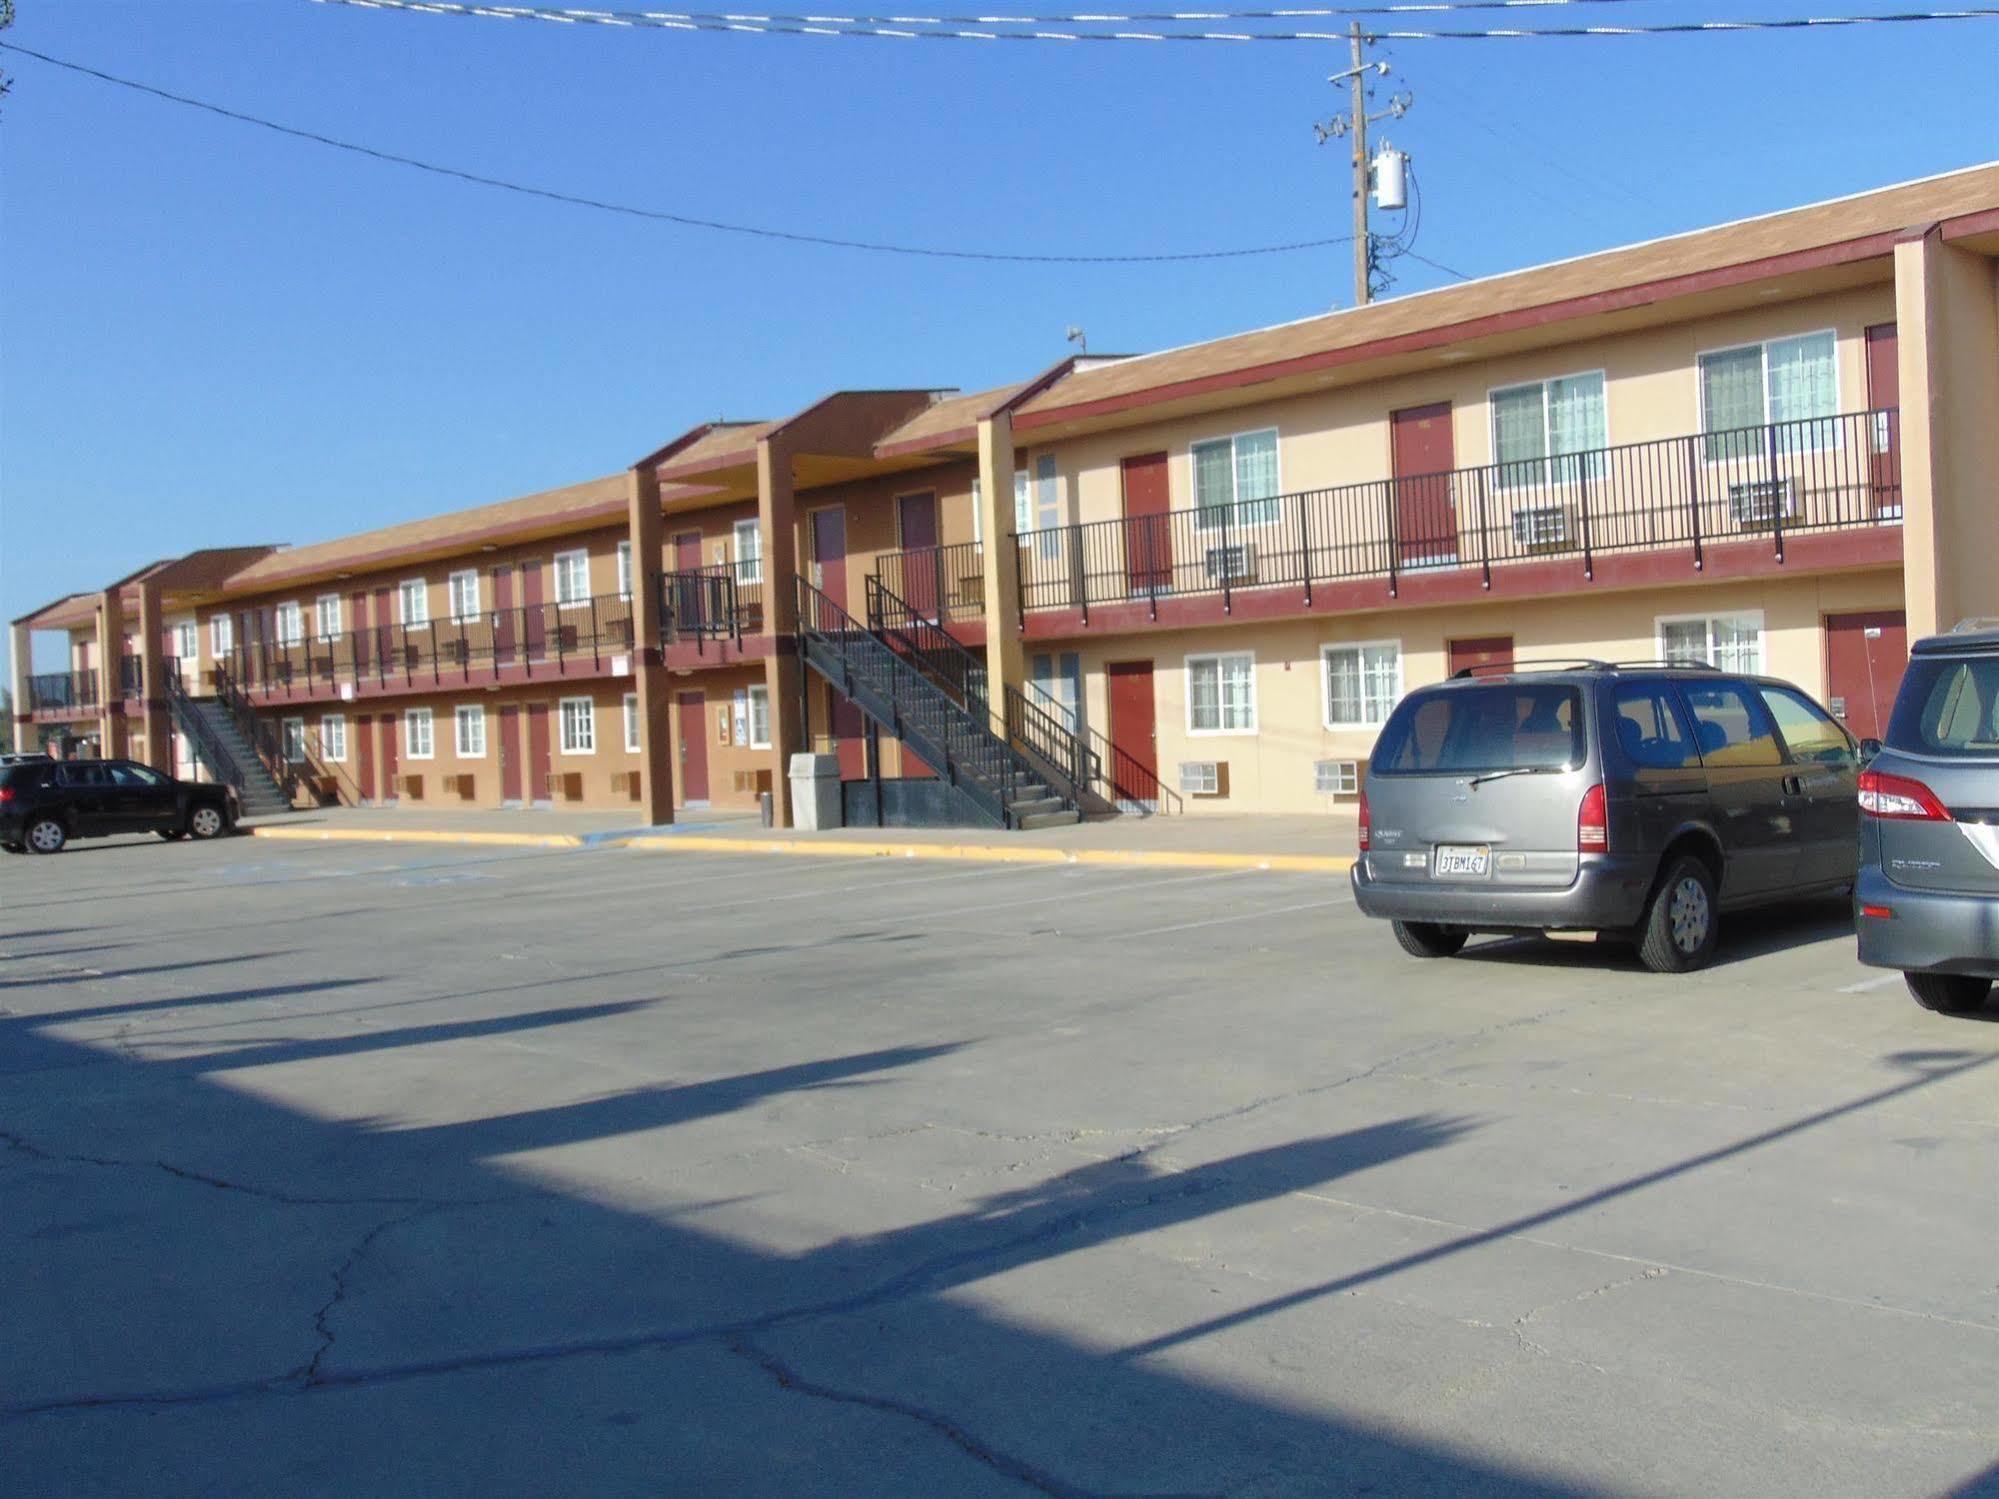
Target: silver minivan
point(1640, 800)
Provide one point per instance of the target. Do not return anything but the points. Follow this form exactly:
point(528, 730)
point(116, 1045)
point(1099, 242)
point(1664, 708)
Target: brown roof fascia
point(952, 438)
point(33, 616)
point(686, 439)
point(848, 423)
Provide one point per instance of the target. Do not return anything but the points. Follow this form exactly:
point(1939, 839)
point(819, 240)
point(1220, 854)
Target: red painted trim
point(474, 679)
point(1868, 247)
point(682, 655)
point(1985, 221)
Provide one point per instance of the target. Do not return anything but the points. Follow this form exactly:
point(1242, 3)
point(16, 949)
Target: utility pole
point(1355, 123)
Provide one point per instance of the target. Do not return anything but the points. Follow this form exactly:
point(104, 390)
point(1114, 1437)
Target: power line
point(896, 28)
point(631, 211)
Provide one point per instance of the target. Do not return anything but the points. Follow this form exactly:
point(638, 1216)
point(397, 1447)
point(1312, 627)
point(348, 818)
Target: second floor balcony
point(1685, 495)
point(942, 583)
point(63, 692)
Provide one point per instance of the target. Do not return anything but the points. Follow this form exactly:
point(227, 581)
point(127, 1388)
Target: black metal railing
point(920, 639)
point(704, 604)
point(1105, 776)
point(131, 676)
point(1678, 493)
point(209, 750)
point(292, 767)
point(942, 583)
point(61, 691)
point(453, 650)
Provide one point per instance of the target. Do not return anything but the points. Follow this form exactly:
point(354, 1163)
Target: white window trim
point(631, 707)
point(978, 514)
point(325, 753)
point(451, 596)
point(1762, 346)
point(458, 721)
point(278, 617)
point(403, 601)
point(319, 630)
point(562, 725)
point(285, 727)
point(410, 717)
point(1231, 438)
point(750, 712)
point(1255, 716)
point(625, 570)
point(180, 629)
point(562, 558)
point(221, 635)
point(1326, 718)
point(1547, 436)
point(738, 558)
point(1740, 616)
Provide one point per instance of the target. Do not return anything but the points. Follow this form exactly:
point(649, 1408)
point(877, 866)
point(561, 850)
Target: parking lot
point(375, 1170)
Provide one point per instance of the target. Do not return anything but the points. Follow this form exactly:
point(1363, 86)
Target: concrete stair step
point(1050, 819)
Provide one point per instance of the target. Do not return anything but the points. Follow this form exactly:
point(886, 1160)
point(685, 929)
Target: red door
point(1148, 544)
point(364, 746)
point(1865, 655)
point(687, 552)
point(1884, 398)
point(1426, 522)
point(1484, 650)
point(385, 621)
point(829, 576)
point(534, 629)
point(693, 747)
point(916, 514)
point(391, 726)
point(510, 753)
point(505, 620)
point(1134, 731)
point(691, 601)
point(539, 764)
point(357, 605)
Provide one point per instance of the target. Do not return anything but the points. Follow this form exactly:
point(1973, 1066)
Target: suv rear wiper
point(1515, 770)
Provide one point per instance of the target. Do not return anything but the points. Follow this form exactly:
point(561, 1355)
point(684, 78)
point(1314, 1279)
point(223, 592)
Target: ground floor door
point(539, 764)
point(510, 753)
point(1134, 731)
point(1482, 650)
point(1422, 454)
point(693, 748)
point(1148, 543)
point(390, 725)
point(1865, 655)
point(364, 750)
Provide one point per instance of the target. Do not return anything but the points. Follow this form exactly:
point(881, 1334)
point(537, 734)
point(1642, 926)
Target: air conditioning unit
point(464, 787)
point(626, 783)
point(1204, 778)
point(1336, 777)
point(1235, 563)
point(1761, 502)
point(1541, 526)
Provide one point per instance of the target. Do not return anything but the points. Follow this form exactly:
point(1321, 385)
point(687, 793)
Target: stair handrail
point(267, 742)
point(1140, 784)
point(201, 734)
point(934, 647)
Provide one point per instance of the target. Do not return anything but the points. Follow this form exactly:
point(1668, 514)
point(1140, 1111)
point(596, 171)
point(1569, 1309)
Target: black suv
point(45, 803)
point(1639, 800)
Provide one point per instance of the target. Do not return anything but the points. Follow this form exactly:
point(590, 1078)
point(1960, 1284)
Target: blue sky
point(211, 335)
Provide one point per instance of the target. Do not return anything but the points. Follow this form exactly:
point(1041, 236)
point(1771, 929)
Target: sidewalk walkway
point(1312, 842)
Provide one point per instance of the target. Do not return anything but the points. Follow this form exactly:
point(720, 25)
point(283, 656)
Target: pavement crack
point(1518, 1327)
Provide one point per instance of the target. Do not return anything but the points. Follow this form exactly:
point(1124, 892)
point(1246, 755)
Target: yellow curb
point(419, 835)
point(987, 853)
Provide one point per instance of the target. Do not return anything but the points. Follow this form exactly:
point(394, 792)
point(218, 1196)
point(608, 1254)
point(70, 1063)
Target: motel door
point(1884, 398)
point(693, 748)
point(534, 632)
point(916, 516)
point(364, 747)
point(539, 764)
point(510, 753)
point(1426, 522)
point(391, 725)
point(1865, 655)
point(688, 604)
point(503, 616)
point(829, 576)
point(1148, 544)
point(1134, 732)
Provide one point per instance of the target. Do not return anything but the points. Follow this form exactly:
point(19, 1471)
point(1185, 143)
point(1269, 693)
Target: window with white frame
point(222, 635)
point(1055, 680)
point(572, 577)
point(624, 569)
point(469, 723)
point(1239, 471)
point(186, 641)
point(1023, 502)
point(579, 726)
point(978, 516)
point(749, 551)
point(759, 718)
point(417, 743)
point(326, 615)
point(1549, 419)
point(462, 588)
point(293, 730)
point(413, 601)
point(1729, 642)
point(1221, 693)
point(1363, 683)
point(1787, 380)
point(333, 738)
point(631, 723)
point(289, 624)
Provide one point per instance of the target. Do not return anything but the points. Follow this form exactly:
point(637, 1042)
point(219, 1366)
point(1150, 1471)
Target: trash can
point(815, 792)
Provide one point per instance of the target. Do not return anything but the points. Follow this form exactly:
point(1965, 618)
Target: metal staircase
point(922, 694)
point(221, 749)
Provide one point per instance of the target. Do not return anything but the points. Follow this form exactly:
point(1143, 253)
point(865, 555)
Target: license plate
point(1463, 861)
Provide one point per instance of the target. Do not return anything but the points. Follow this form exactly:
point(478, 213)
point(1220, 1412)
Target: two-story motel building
point(1194, 580)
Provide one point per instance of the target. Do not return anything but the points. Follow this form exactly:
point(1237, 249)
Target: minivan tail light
point(1363, 822)
point(6, 793)
point(1899, 799)
point(1592, 823)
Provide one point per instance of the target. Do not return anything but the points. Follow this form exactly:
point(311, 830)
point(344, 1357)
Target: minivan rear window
point(1497, 726)
point(1948, 709)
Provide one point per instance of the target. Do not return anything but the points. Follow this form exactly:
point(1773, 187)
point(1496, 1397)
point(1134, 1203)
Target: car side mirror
point(1869, 748)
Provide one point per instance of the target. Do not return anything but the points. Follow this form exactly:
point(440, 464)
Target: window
point(1728, 642)
point(1501, 726)
point(1549, 419)
point(1239, 471)
point(1808, 730)
point(327, 615)
point(222, 635)
point(1363, 683)
point(185, 641)
point(1732, 726)
point(416, 734)
point(136, 775)
point(624, 569)
point(290, 624)
point(463, 590)
point(333, 738)
point(572, 578)
point(469, 722)
point(1023, 502)
point(1786, 380)
point(1649, 730)
point(1057, 682)
point(413, 599)
point(759, 718)
point(579, 726)
point(294, 740)
point(631, 723)
point(1949, 709)
point(749, 551)
point(1221, 694)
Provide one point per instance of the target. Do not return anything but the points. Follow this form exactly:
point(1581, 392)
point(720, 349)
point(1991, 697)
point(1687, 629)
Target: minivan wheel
point(46, 836)
point(1948, 993)
point(1679, 931)
point(206, 822)
point(1426, 939)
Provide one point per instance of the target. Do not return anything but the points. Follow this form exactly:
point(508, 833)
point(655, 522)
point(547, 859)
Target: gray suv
point(1635, 799)
point(1928, 893)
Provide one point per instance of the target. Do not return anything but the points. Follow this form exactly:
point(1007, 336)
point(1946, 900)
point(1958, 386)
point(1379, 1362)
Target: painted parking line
point(1884, 981)
point(998, 853)
point(1188, 926)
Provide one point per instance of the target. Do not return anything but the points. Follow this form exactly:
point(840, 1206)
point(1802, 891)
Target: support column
point(22, 710)
point(111, 740)
point(1005, 660)
point(153, 688)
point(1947, 328)
point(649, 676)
point(777, 520)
